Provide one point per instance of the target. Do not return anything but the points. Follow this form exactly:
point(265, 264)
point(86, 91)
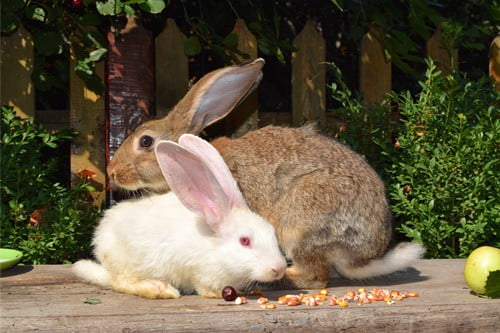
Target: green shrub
point(49, 222)
point(441, 160)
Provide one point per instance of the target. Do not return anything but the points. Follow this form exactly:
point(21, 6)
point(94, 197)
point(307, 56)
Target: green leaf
point(129, 10)
point(82, 67)
point(153, 6)
point(36, 13)
point(96, 55)
point(92, 301)
point(492, 288)
point(192, 46)
point(336, 3)
point(109, 7)
point(9, 22)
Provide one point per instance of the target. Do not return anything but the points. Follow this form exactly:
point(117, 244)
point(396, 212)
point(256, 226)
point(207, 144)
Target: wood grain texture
point(88, 149)
point(437, 50)
point(50, 299)
point(494, 62)
point(244, 117)
point(130, 84)
point(375, 72)
point(308, 76)
point(16, 54)
point(171, 68)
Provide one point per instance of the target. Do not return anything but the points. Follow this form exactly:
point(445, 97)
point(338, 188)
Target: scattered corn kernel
point(344, 304)
point(413, 294)
point(323, 292)
point(361, 290)
point(262, 300)
point(271, 306)
point(240, 300)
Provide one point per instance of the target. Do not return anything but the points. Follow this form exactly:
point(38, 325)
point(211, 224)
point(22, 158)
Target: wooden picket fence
point(104, 121)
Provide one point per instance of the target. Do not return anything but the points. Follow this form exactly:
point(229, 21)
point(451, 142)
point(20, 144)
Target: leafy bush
point(441, 160)
point(49, 222)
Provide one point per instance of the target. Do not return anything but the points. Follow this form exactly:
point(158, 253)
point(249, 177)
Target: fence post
point(171, 68)
point(308, 76)
point(245, 116)
point(88, 149)
point(437, 50)
point(130, 84)
point(16, 66)
point(494, 63)
point(375, 72)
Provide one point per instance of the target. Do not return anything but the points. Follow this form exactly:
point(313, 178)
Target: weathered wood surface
point(308, 76)
point(494, 62)
point(375, 72)
point(129, 85)
point(436, 48)
point(171, 68)
point(88, 148)
point(50, 299)
point(244, 117)
point(16, 58)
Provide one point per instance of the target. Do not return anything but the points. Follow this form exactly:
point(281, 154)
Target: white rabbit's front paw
point(158, 289)
point(149, 288)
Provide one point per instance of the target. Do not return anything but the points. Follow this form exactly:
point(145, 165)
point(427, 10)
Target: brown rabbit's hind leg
point(148, 288)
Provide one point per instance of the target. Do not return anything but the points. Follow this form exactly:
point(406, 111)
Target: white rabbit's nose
point(278, 272)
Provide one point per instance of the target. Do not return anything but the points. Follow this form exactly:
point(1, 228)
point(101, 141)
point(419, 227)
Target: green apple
point(478, 266)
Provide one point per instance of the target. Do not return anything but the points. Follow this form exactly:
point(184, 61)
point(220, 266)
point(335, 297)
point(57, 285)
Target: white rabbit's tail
point(92, 272)
point(398, 258)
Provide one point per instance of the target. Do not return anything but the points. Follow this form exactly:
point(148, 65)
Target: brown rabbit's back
point(319, 195)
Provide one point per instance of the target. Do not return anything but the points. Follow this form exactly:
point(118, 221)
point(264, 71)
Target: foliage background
point(443, 195)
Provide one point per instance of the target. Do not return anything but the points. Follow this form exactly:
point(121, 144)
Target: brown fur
point(325, 202)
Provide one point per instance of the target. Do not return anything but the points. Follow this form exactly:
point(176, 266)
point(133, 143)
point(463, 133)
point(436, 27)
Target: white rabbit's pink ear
point(193, 182)
point(217, 93)
point(214, 161)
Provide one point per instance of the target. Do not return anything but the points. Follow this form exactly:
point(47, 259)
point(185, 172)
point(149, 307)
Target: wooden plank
point(16, 54)
point(437, 50)
point(245, 116)
point(375, 72)
point(494, 62)
point(49, 298)
point(130, 84)
point(53, 120)
point(88, 149)
point(171, 68)
point(308, 76)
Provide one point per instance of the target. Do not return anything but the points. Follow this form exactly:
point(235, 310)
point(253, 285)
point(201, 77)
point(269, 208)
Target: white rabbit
point(201, 236)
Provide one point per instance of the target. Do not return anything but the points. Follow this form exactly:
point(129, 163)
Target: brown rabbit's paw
point(296, 278)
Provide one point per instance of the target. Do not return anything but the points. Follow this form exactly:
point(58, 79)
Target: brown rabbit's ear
point(217, 93)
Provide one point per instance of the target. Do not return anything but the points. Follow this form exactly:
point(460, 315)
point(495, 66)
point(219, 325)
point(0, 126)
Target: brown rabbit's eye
point(245, 241)
point(145, 141)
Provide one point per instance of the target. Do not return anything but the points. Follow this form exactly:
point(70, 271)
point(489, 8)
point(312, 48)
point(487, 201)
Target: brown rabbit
point(328, 206)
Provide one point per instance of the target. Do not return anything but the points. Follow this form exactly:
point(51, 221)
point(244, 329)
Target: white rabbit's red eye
point(145, 141)
point(245, 241)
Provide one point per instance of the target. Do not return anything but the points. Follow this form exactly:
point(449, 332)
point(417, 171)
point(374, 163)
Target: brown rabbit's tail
point(396, 259)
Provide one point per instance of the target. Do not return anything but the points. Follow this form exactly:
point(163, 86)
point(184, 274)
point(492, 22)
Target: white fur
point(158, 238)
point(399, 258)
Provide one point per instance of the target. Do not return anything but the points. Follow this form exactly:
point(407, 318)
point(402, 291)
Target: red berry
point(229, 293)
point(76, 3)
